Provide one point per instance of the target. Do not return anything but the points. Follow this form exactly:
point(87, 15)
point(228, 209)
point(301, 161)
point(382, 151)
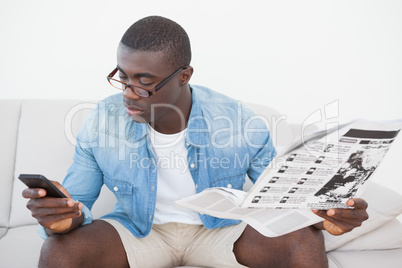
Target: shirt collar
point(197, 128)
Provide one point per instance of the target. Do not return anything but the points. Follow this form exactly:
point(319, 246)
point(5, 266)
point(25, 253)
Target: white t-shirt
point(174, 178)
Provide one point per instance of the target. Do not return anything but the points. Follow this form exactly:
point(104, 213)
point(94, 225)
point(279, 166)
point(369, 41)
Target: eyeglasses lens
point(117, 84)
point(140, 92)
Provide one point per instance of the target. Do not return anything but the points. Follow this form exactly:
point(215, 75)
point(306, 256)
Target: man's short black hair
point(157, 33)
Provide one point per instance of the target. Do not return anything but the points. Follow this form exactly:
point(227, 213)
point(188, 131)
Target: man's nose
point(129, 94)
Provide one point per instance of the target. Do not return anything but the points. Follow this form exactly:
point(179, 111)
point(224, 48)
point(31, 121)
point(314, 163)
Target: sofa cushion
point(384, 205)
point(281, 131)
point(10, 114)
point(44, 146)
point(387, 236)
point(3, 231)
point(367, 259)
point(20, 247)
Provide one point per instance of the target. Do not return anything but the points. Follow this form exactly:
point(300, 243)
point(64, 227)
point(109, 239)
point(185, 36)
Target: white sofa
point(37, 137)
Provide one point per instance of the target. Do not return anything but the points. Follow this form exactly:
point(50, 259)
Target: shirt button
point(196, 186)
point(188, 144)
point(150, 216)
point(112, 107)
point(115, 188)
point(229, 185)
point(192, 165)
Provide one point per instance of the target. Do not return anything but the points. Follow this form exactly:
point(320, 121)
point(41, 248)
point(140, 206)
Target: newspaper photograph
point(324, 173)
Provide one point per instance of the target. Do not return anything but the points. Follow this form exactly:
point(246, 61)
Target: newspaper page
point(324, 173)
point(225, 203)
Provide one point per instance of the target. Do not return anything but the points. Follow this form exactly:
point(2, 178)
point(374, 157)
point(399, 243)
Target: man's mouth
point(132, 110)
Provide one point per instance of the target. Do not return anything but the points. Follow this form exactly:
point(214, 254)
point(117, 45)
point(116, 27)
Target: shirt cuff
point(88, 218)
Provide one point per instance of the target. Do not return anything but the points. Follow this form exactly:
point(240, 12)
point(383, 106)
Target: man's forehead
point(140, 61)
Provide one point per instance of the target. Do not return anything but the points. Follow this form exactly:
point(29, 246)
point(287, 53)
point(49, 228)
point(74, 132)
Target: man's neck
point(176, 119)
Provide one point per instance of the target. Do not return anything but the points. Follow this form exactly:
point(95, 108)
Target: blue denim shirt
point(225, 141)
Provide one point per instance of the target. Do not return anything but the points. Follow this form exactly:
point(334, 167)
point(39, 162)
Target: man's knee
point(58, 251)
point(94, 245)
point(302, 248)
point(307, 247)
point(309, 236)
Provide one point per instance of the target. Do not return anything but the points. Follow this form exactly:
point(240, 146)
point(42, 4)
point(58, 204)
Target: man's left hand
point(340, 221)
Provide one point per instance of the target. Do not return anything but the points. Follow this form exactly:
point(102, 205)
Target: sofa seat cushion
point(20, 247)
point(365, 258)
point(3, 231)
point(387, 236)
point(384, 206)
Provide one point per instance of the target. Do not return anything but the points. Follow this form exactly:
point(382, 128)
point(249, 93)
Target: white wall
point(296, 56)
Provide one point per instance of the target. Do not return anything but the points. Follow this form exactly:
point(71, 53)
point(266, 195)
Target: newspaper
point(322, 172)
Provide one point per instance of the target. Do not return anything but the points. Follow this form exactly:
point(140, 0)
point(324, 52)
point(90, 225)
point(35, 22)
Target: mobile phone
point(40, 181)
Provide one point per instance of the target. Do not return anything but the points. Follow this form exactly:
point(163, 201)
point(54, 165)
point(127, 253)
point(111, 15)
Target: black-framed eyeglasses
point(140, 91)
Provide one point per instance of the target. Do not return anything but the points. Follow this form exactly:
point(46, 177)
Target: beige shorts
point(179, 244)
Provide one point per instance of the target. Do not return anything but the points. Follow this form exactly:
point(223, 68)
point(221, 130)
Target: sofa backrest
point(38, 137)
point(10, 114)
point(39, 146)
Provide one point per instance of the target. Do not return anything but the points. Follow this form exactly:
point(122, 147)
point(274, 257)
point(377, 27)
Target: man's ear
point(186, 75)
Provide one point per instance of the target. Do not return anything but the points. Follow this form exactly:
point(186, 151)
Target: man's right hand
point(57, 215)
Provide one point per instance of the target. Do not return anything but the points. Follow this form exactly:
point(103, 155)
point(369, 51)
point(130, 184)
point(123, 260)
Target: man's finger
point(357, 203)
point(49, 221)
point(50, 202)
point(61, 188)
point(41, 212)
point(33, 193)
point(344, 216)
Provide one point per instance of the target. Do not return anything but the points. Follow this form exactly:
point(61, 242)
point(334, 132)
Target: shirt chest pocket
point(235, 181)
point(118, 187)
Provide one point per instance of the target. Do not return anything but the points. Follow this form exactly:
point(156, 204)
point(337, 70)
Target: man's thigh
point(214, 247)
point(175, 244)
point(94, 245)
point(156, 250)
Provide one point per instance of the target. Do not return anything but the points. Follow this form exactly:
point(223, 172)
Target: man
point(159, 141)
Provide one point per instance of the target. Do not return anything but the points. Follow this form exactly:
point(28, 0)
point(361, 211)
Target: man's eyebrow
point(120, 70)
point(137, 75)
